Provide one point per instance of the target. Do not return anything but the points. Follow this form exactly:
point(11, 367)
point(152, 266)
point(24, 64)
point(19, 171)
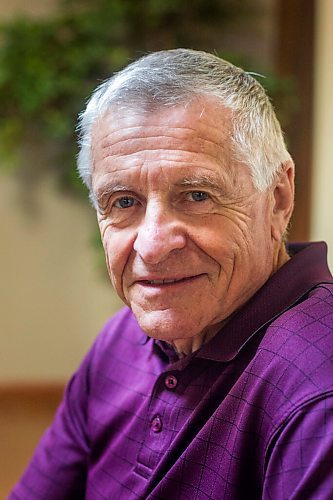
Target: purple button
point(170, 381)
point(156, 424)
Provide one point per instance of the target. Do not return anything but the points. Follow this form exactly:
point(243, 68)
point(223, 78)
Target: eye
point(125, 202)
point(197, 196)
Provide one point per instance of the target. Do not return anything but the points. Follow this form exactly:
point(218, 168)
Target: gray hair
point(172, 77)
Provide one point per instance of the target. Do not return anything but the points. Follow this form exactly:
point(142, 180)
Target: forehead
point(171, 141)
point(203, 121)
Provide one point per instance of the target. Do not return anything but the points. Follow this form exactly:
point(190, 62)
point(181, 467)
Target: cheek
point(234, 246)
point(117, 250)
point(221, 241)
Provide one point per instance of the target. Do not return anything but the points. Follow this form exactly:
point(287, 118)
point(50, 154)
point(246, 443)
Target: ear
point(283, 200)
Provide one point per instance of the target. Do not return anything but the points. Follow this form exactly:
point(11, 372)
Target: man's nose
point(159, 233)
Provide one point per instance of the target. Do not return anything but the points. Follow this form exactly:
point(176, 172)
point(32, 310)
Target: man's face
point(187, 237)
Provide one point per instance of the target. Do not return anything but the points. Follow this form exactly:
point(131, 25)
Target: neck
point(184, 347)
point(282, 257)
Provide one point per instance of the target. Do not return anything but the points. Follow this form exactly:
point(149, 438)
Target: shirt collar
point(306, 269)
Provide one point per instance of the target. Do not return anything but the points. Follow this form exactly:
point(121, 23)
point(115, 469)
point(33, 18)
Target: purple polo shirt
point(249, 415)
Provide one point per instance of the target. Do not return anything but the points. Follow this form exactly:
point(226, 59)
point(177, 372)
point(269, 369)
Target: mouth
point(167, 282)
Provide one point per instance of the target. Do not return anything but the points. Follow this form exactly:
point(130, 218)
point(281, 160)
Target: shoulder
point(121, 337)
point(299, 454)
point(308, 316)
point(120, 351)
point(296, 354)
point(121, 327)
point(298, 451)
point(302, 336)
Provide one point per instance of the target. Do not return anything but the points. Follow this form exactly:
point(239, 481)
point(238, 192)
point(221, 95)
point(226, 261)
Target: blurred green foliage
point(48, 67)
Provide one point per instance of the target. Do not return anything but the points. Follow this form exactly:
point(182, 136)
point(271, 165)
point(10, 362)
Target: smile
point(159, 282)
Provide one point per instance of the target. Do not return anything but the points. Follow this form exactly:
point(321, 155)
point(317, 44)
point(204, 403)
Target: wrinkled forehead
point(202, 116)
point(194, 134)
point(199, 127)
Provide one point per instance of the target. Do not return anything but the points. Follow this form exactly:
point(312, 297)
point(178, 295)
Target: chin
point(162, 325)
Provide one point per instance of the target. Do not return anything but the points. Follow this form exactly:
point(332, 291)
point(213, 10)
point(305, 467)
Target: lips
point(166, 281)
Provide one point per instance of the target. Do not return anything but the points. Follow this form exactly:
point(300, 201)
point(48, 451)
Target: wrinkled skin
point(173, 205)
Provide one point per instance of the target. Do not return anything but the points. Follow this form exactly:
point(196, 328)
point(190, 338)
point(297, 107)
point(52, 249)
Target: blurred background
point(54, 292)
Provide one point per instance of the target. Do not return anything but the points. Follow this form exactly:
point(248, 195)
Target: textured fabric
point(249, 415)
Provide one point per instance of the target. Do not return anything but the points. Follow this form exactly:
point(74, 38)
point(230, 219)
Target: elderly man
point(217, 380)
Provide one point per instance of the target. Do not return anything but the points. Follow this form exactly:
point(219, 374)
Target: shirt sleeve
point(300, 464)
point(58, 468)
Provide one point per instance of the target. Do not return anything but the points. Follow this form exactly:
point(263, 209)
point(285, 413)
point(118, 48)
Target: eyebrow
point(202, 181)
point(113, 188)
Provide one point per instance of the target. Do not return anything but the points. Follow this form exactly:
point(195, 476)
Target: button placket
point(158, 434)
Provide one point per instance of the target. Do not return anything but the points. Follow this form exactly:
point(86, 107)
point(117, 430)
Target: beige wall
point(53, 297)
point(37, 8)
point(322, 196)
